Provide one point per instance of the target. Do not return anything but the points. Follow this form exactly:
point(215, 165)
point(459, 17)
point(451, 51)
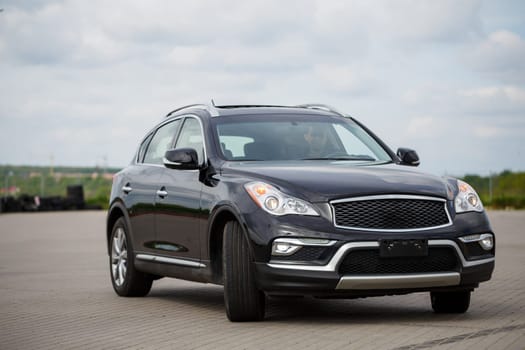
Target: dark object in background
point(10, 204)
point(51, 203)
point(75, 197)
point(25, 203)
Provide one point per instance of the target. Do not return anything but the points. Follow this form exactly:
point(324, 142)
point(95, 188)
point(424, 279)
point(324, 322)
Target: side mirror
point(408, 156)
point(181, 158)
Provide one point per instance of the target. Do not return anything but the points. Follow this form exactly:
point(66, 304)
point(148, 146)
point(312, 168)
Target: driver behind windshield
point(316, 139)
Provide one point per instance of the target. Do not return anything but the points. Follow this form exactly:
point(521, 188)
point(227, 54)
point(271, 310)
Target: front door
point(178, 202)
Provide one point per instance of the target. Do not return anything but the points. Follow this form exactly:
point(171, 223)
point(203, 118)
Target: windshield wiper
point(366, 158)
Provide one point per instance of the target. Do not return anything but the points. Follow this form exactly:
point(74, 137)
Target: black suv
point(300, 200)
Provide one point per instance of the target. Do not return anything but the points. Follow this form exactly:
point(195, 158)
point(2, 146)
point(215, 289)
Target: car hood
point(326, 180)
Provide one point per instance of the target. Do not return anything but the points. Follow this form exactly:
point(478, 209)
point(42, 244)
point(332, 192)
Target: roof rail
point(210, 108)
point(322, 107)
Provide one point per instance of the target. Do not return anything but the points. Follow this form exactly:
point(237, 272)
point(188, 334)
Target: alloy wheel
point(119, 257)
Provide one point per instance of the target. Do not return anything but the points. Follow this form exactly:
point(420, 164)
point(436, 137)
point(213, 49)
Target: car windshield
point(249, 138)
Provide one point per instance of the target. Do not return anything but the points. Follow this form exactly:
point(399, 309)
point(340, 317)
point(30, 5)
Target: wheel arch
point(116, 211)
point(220, 217)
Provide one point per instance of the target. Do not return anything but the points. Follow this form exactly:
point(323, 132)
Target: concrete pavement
point(55, 293)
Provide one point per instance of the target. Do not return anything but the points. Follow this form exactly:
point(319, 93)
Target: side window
point(161, 142)
point(143, 147)
point(191, 137)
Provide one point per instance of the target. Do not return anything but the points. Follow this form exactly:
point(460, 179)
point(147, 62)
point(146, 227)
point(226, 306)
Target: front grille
point(391, 214)
point(368, 261)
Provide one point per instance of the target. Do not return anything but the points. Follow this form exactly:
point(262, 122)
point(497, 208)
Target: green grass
point(44, 182)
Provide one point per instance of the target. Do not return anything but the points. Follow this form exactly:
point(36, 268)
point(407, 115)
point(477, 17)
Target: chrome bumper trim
point(399, 281)
point(464, 262)
point(173, 261)
point(333, 264)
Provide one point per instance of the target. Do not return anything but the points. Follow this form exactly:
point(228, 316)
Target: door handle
point(162, 192)
point(127, 188)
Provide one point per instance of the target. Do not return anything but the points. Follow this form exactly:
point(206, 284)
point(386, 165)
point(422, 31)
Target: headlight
point(275, 202)
point(467, 199)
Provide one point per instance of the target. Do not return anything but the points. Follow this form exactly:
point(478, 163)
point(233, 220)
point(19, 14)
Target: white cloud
point(345, 79)
point(501, 55)
point(431, 21)
point(494, 100)
point(489, 131)
point(98, 74)
point(35, 37)
point(511, 93)
point(427, 127)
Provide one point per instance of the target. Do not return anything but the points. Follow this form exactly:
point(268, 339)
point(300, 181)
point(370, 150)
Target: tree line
point(497, 191)
point(500, 191)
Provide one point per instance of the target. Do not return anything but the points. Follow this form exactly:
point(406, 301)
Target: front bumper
point(316, 279)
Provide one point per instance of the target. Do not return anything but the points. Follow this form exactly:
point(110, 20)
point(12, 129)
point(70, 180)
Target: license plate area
point(392, 248)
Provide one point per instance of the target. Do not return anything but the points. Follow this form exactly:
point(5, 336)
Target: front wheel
point(242, 299)
point(450, 302)
point(127, 281)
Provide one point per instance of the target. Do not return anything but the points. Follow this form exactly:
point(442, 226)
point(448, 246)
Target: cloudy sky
point(82, 81)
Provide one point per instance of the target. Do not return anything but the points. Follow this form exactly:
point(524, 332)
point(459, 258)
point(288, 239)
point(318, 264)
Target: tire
point(450, 302)
point(243, 301)
point(126, 280)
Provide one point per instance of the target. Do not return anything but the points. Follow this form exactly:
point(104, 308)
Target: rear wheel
point(242, 299)
point(450, 302)
point(127, 281)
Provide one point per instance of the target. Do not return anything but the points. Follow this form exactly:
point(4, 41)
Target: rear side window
point(143, 147)
point(161, 142)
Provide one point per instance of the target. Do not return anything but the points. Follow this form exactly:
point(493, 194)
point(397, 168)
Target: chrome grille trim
point(387, 197)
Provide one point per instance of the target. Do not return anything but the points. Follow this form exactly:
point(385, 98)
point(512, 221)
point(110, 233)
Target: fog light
point(289, 246)
point(470, 238)
point(284, 248)
point(487, 242)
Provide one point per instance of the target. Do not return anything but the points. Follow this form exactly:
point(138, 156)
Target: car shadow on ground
point(360, 311)
point(209, 297)
point(388, 310)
